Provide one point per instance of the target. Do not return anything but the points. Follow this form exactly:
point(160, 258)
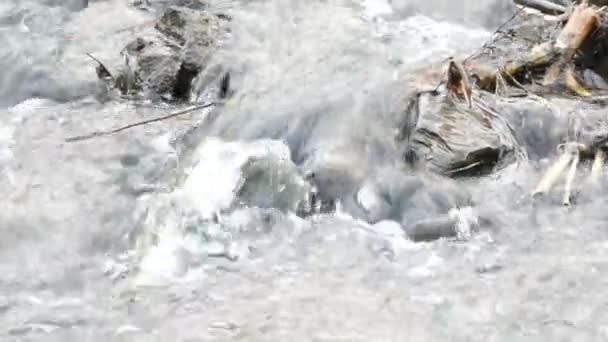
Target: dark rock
point(163, 61)
point(433, 229)
point(173, 24)
point(450, 139)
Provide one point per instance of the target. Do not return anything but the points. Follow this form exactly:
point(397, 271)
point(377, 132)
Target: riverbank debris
point(559, 56)
point(553, 60)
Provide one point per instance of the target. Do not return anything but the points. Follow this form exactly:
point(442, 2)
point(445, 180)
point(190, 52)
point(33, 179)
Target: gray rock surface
point(451, 139)
point(164, 59)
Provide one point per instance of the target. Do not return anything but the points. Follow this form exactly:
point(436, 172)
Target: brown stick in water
point(597, 166)
point(573, 84)
point(566, 200)
point(552, 174)
point(139, 123)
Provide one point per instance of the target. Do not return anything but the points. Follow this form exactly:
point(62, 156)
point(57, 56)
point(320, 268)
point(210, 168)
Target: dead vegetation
point(540, 57)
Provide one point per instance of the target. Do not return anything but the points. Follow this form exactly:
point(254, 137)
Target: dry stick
point(570, 178)
point(597, 166)
point(139, 123)
point(579, 27)
point(553, 174)
point(542, 5)
point(573, 84)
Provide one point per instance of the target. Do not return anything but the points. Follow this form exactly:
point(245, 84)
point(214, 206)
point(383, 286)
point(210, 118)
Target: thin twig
point(103, 69)
point(139, 123)
point(494, 37)
point(521, 86)
point(544, 6)
point(486, 44)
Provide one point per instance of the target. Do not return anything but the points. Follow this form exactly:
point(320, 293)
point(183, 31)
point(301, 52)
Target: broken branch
point(570, 150)
point(566, 200)
point(139, 123)
point(573, 84)
point(544, 6)
point(598, 165)
point(552, 175)
point(580, 25)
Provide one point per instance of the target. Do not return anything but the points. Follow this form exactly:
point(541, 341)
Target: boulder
point(451, 139)
point(163, 60)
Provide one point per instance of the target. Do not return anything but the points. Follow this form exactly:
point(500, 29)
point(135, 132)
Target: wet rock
point(457, 223)
point(448, 138)
point(332, 185)
point(162, 4)
point(433, 229)
point(271, 182)
point(163, 61)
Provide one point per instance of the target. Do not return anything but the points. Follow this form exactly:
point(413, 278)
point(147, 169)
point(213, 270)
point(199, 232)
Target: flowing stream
point(140, 236)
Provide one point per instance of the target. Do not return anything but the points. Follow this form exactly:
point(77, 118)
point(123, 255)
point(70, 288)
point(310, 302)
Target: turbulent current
point(191, 229)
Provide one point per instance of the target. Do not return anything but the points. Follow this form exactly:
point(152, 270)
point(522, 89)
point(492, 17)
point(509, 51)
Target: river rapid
point(139, 237)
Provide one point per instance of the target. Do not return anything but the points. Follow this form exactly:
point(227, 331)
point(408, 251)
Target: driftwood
point(570, 178)
point(598, 165)
point(544, 6)
point(569, 160)
point(581, 23)
point(552, 175)
point(573, 84)
point(555, 57)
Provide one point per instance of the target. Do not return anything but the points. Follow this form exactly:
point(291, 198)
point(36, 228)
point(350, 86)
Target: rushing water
point(138, 237)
